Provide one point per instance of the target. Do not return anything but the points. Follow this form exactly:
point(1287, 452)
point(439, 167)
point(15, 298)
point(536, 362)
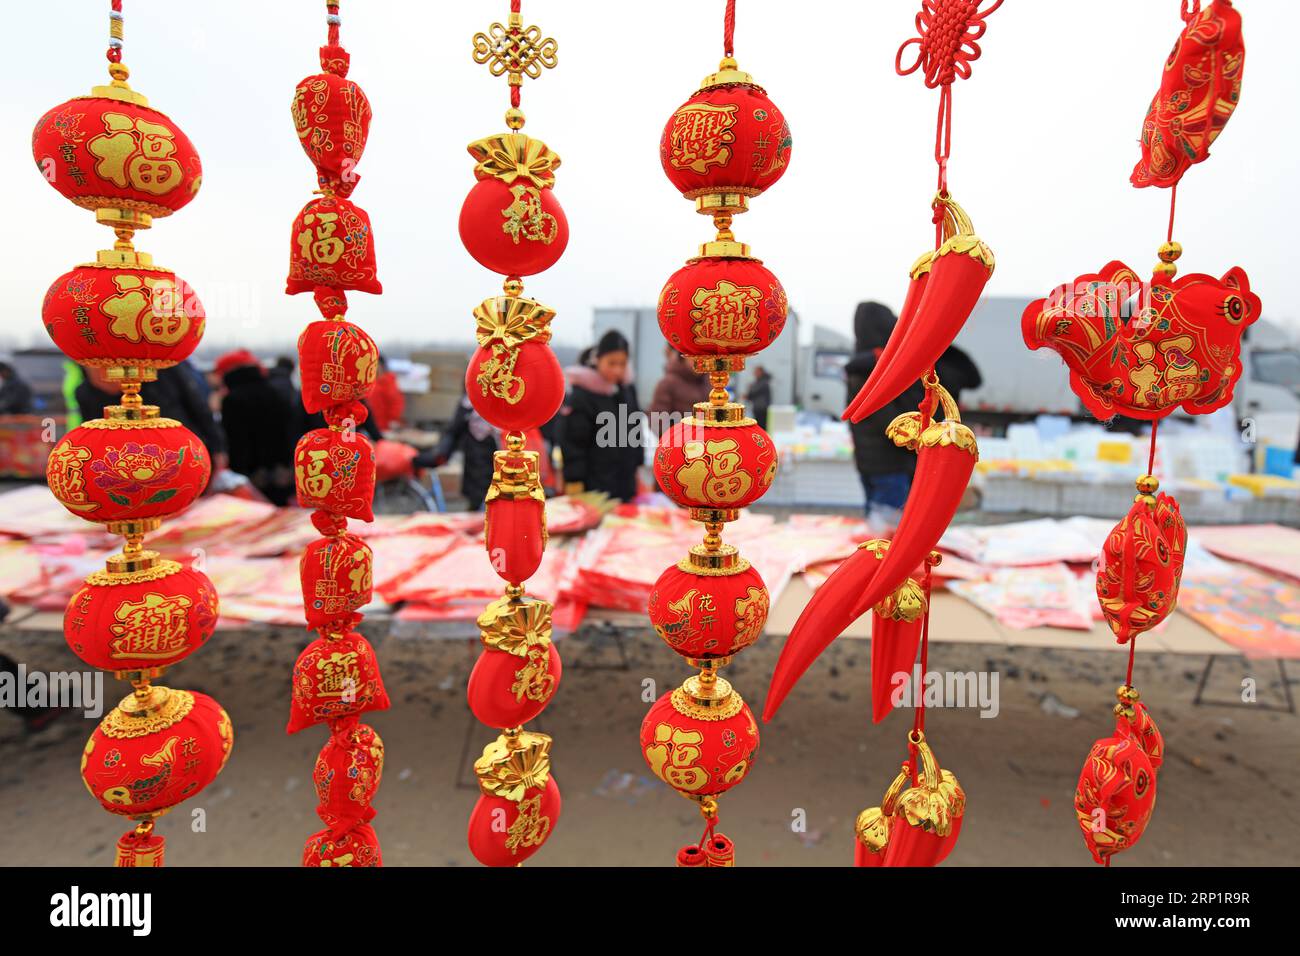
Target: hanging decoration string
point(1173, 200)
point(729, 29)
point(114, 53)
point(334, 20)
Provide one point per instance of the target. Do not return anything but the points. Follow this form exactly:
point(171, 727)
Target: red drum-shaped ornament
point(699, 751)
point(704, 614)
point(1115, 796)
point(104, 152)
point(514, 380)
point(332, 245)
point(511, 221)
point(347, 775)
point(334, 470)
point(727, 138)
point(338, 363)
point(712, 464)
point(336, 574)
point(722, 306)
point(332, 116)
point(519, 805)
point(357, 847)
point(111, 469)
point(514, 529)
point(519, 670)
point(1142, 564)
point(138, 763)
point(335, 677)
point(143, 619)
point(1142, 350)
point(1199, 89)
point(126, 318)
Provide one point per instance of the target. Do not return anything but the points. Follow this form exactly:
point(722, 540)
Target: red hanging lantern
point(512, 224)
point(155, 749)
point(334, 470)
point(519, 804)
point(136, 318)
point(701, 738)
point(705, 610)
point(722, 306)
point(115, 470)
point(332, 245)
point(338, 363)
point(146, 618)
point(715, 459)
point(335, 676)
point(347, 775)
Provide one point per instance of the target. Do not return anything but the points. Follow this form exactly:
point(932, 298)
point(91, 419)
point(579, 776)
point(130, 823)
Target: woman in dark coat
point(259, 426)
point(603, 443)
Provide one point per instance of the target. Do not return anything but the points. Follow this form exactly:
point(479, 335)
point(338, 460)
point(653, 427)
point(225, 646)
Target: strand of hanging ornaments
point(512, 224)
point(336, 677)
point(1141, 350)
point(122, 318)
point(724, 146)
point(920, 815)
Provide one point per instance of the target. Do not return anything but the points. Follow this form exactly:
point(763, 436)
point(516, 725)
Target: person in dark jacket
point(885, 469)
point(677, 392)
point(603, 442)
point(179, 393)
point(476, 440)
point(15, 394)
point(258, 423)
point(759, 396)
point(957, 372)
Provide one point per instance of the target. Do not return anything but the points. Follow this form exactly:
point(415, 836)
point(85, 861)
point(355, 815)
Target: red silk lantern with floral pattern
point(147, 756)
point(336, 575)
point(715, 465)
point(727, 138)
point(125, 318)
point(699, 751)
point(722, 306)
point(335, 676)
point(347, 775)
point(115, 152)
point(702, 613)
point(151, 618)
point(115, 470)
point(110, 152)
point(334, 470)
point(338, 363)
point(332, 245)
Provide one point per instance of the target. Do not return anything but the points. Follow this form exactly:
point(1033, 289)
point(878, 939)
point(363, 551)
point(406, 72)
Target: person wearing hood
point(677, 392)
point(884, 468)
point(602, 442)
point(470, 434)
point(259, 426)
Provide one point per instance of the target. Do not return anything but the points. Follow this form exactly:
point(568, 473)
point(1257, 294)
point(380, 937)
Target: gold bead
point(118, 71)
point(515, 118)
point(1170, 251)
point(1148, 484)
point(513, 287)
point(1166, 269)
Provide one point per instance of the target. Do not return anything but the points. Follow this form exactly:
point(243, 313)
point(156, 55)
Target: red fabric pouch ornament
point(338, 362)
point(1199, 89)
point(358, 847)
point(1142, 564)
point(514, 379)
point(1115, 796)
point(334, 470)
point(332, 245)
point(519, 670)
point(347, 775)
point(519, 802)
point(332, 117)
point(336, 574)
point(335, 677)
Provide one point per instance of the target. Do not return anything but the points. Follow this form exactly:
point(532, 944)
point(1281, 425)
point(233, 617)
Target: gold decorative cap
point(728, 73)
point(513, 764)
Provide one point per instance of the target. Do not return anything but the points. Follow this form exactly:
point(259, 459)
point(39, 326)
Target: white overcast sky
point(1044, 137)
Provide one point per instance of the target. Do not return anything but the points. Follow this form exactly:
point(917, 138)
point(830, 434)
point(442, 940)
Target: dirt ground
point(1227, 792)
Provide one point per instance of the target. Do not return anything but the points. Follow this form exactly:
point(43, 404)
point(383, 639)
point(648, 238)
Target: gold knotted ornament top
point(511, 156)
point(512, 320)
point(516, 762)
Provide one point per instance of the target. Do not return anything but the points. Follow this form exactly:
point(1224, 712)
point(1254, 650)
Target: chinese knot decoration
point(512, 224)
point(110, 152)
point(336, 678)
point(725, 145)
point(1143, 349)
point(920, 815)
